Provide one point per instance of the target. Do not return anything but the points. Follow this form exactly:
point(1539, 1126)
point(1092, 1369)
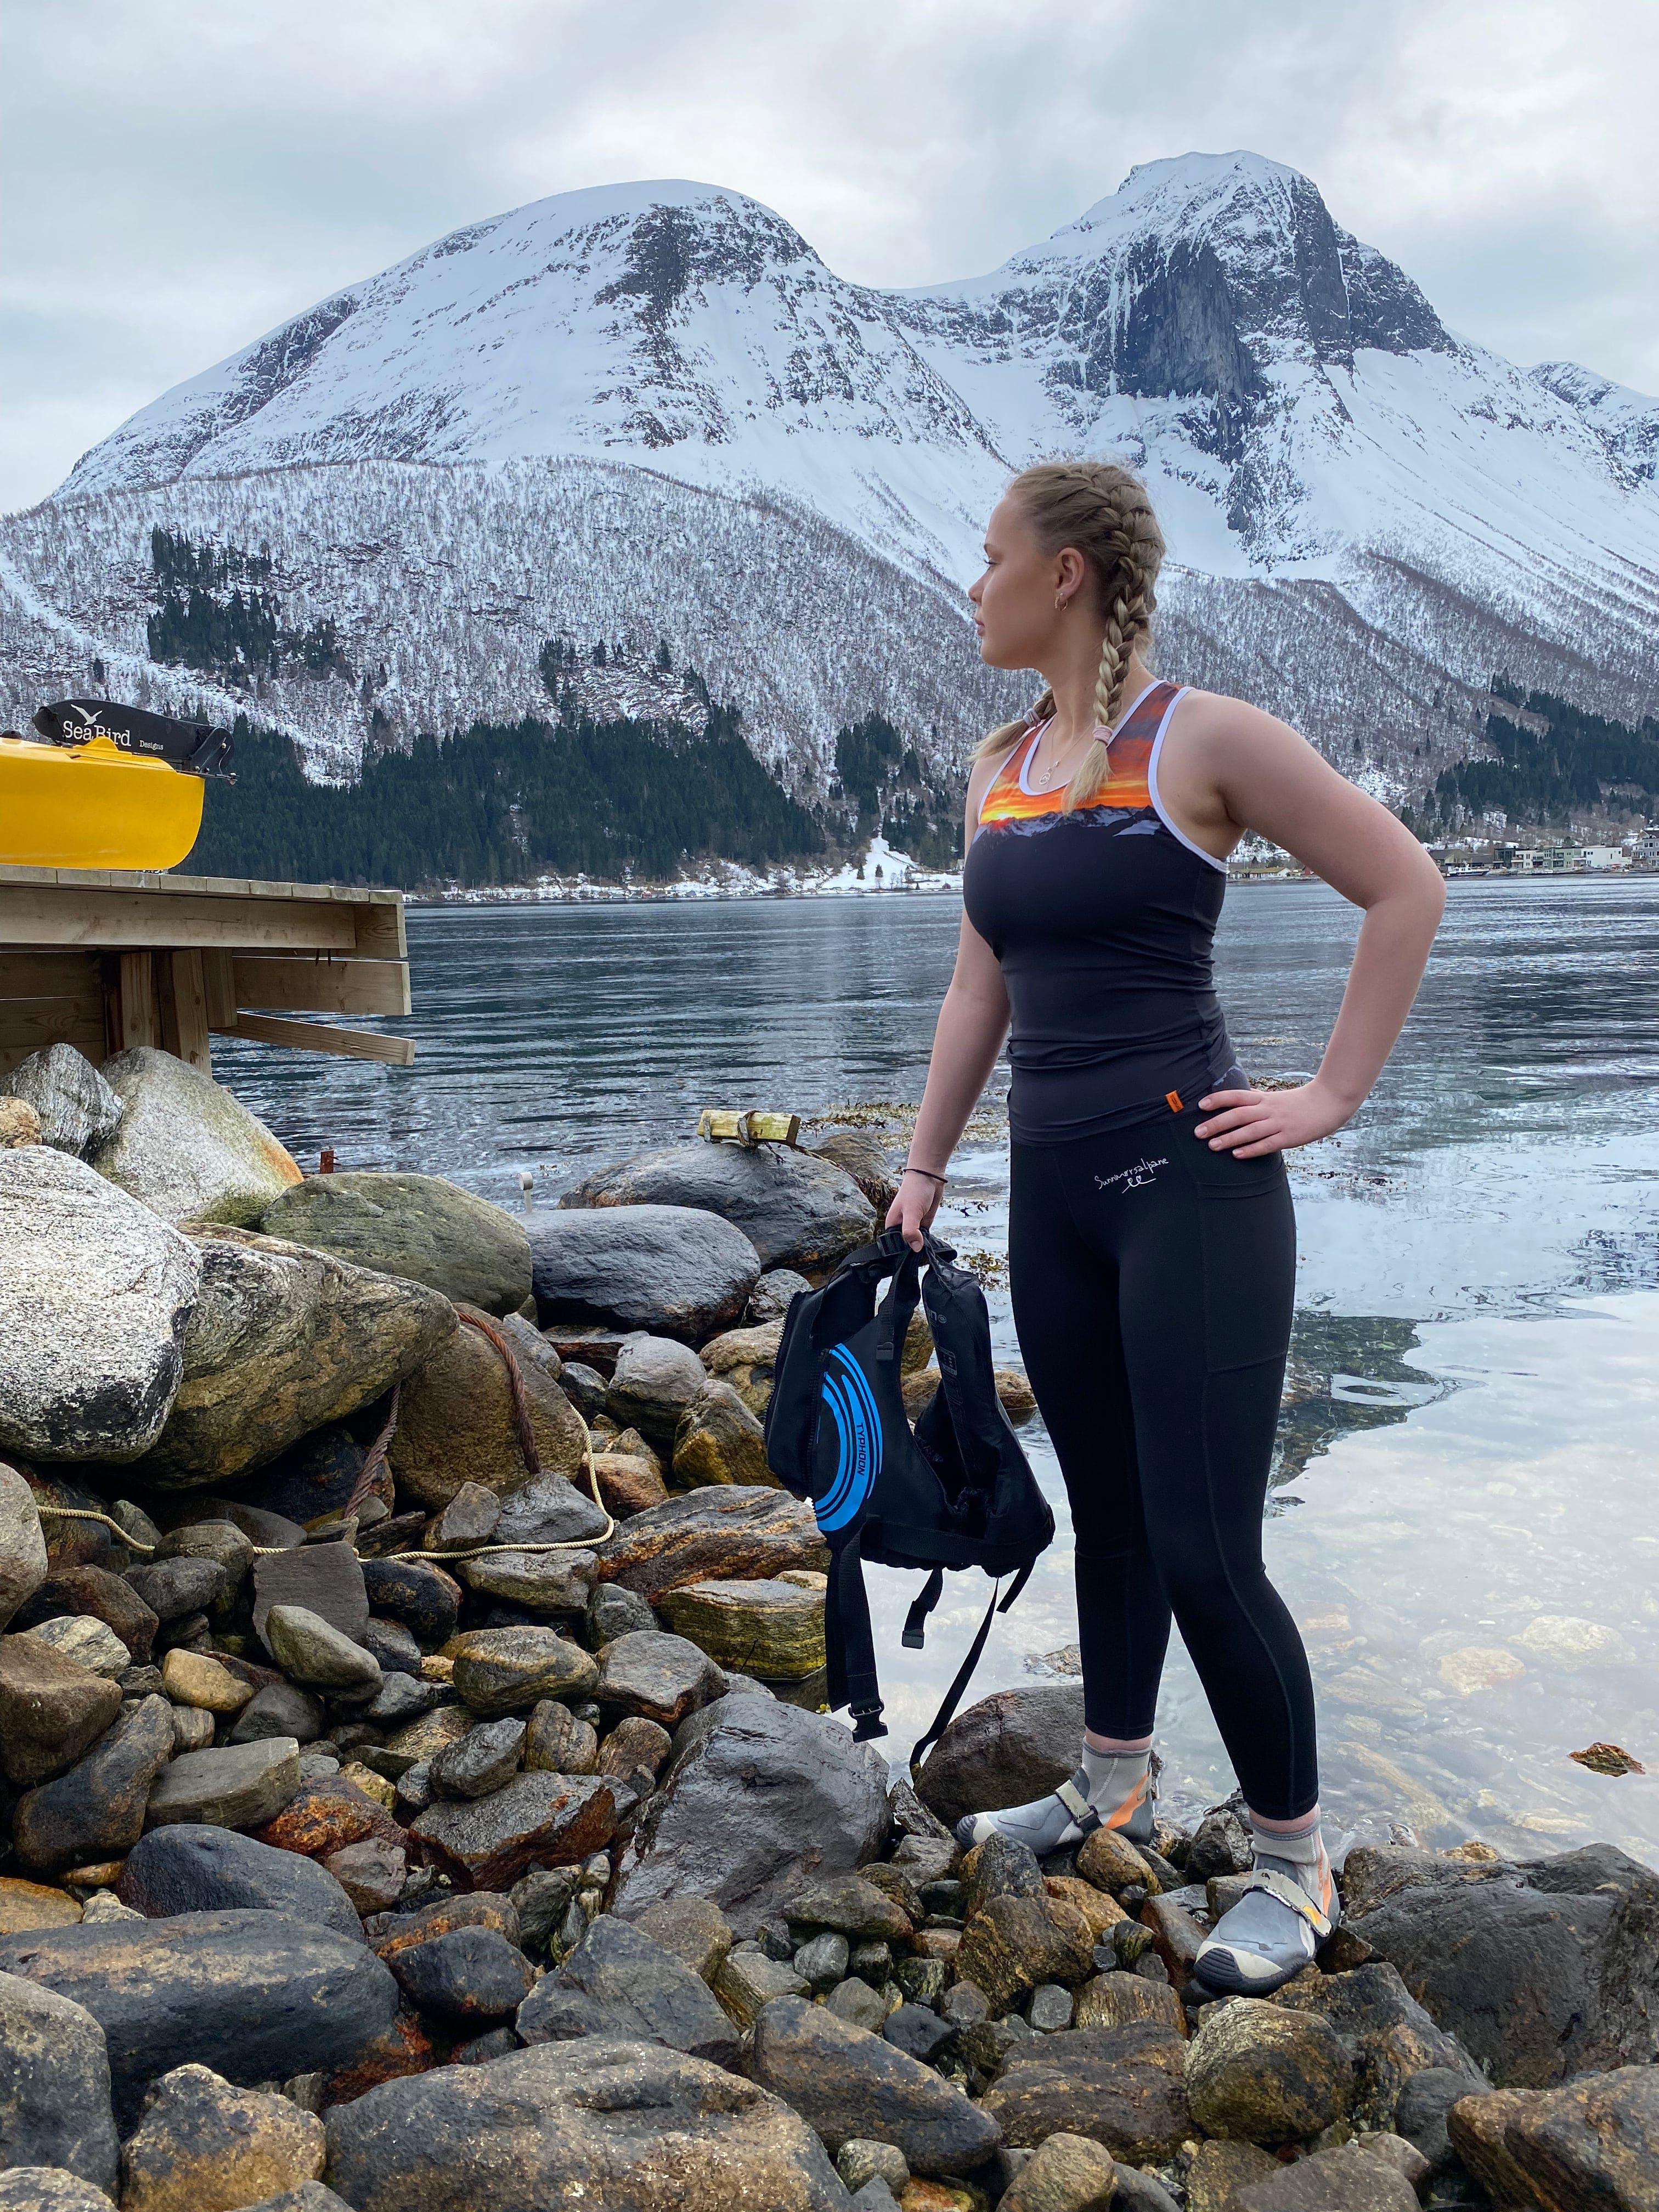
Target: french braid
point(1104, 512)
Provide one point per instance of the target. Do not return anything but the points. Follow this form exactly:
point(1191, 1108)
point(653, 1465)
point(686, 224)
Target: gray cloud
point(181, 177)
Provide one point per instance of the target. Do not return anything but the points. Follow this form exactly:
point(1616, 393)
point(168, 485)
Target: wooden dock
point(103, 959)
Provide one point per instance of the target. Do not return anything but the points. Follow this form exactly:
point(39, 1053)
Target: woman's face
point(1014, 613)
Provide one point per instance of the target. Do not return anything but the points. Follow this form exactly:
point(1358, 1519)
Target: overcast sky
point(181, 176)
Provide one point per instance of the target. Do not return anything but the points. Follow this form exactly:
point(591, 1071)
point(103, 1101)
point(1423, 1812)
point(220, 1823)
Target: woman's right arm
point(967, 1038)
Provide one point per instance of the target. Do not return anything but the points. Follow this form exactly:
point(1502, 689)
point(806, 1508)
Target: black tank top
point(1103, 921)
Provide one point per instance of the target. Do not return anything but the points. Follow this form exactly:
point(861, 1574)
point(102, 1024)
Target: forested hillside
point(1577, 766)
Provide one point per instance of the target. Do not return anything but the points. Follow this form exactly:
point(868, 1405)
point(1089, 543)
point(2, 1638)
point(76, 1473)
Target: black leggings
point(1153, 1285)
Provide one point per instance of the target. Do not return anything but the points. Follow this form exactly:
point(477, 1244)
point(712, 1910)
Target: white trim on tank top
point(1159, 807)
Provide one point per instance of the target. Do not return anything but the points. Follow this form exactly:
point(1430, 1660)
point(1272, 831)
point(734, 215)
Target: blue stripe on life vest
point(851, 1404)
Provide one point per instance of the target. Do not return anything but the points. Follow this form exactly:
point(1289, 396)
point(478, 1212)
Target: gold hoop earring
point(1061, 602)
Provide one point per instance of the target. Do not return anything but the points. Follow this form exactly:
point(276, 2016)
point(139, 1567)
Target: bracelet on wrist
point(908, 1169)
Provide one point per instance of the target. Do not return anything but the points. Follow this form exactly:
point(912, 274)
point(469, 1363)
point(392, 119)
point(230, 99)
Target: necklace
point(1042, 789)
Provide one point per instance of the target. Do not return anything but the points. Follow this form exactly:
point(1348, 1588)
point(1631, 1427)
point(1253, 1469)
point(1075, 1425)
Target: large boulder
point(1594, 2142)
point(96, 1811)
point(185, 1147)
point(54, 2085)
point(850, 2084)
point(727, 1532)
point(762, 1798)
point(632, 2126)
point(283, 1339)
point(797, 1210)
point(94, 1295)
point(455, 1419)
point(207, 1869)
point(419, 1226)
point(1390, 2038)
point(23, 1562)
point(1010, 1748)
point(256, 1995)
point(76, 1108)
point(676, 1270)
point(1541, 1970)
point(621, 1982)
point(1259, 2072)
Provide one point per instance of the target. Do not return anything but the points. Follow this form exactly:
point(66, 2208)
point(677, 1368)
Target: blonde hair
point(1104, 512)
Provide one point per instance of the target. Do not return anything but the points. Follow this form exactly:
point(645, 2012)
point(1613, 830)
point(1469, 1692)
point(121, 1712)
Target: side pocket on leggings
point(1247, 1236)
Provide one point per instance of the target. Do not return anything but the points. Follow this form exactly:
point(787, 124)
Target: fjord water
point(1464, 1516)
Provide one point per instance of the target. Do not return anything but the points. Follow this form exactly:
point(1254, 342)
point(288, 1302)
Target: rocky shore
point(400, 1815)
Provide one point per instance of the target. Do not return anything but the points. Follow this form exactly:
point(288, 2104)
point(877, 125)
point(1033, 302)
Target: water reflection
point(1471, 1421)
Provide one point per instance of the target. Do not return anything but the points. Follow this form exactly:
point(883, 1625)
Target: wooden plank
point(29, 1025)
point(323, 985)
point(380, 934)
point(184, 994)
point(120, 919)
point(48, 975)
point(141, 1012)
point(321, 1037)
point(219, 981)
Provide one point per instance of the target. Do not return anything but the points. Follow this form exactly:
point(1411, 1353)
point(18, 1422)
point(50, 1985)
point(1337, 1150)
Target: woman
point(1152, 1243)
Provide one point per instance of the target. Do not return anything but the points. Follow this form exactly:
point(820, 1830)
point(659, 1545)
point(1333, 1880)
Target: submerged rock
point(185, 1146)
point(632, 2126)
point(796, 1209)
point(677, 1270)
point(93, 1300)
point(283, 1339)
point(419, 1226)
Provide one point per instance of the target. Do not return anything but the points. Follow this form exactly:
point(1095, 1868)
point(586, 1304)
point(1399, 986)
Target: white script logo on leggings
point(1143, 1171)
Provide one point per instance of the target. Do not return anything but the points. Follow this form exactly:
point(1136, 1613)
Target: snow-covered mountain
point(650, 411)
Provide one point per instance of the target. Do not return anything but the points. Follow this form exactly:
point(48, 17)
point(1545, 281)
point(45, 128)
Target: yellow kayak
point(94, 806)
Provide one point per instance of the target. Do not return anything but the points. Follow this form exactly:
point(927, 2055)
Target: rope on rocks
point(375, 1460)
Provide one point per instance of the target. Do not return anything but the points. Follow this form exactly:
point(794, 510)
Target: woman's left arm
point(1270, 780)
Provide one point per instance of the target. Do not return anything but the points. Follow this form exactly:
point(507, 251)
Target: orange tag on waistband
point(1172, 1100)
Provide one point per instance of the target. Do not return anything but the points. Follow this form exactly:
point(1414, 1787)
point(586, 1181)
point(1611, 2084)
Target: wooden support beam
point(140, 1012)
point(219, 981)
point(321, 1037)
point(184, 1007)
point(322, 985)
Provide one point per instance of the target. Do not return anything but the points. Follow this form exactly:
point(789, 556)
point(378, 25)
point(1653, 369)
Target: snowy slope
point(651, 411)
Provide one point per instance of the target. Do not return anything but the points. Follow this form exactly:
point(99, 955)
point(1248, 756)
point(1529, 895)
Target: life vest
point(959, 1492)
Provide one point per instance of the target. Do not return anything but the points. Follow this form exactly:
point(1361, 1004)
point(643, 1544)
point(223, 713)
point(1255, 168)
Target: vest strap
point(849, 1647)
point(915, 1637)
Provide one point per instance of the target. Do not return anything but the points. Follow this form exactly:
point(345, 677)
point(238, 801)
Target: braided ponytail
point(1104, 512)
